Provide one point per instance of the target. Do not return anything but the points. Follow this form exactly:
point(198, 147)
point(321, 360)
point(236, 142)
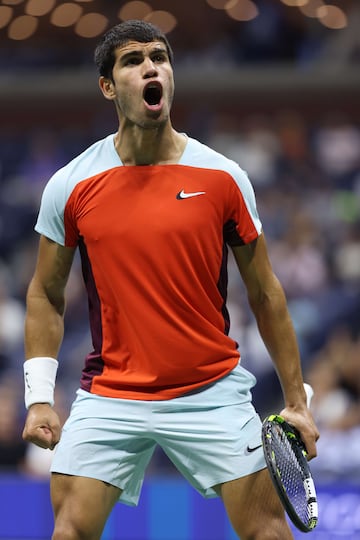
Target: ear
point(107, 87)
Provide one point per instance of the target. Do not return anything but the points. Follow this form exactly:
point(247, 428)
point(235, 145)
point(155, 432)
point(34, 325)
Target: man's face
point(143, 83)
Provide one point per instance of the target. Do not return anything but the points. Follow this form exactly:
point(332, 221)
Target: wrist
point(39, 377)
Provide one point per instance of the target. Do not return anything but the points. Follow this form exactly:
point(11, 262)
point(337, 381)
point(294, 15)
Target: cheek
point(126, 100)
point(171, 93)
point(171, 85)
point(170, 88)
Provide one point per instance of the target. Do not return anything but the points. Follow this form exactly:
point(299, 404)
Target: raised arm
point(268, 303)
point(44, 329)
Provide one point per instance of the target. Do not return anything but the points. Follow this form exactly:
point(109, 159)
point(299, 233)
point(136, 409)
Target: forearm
point(268, 303)
point(277, 331)
point(44, 324)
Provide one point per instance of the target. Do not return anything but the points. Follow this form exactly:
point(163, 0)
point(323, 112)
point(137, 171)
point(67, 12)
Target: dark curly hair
point(119, 35)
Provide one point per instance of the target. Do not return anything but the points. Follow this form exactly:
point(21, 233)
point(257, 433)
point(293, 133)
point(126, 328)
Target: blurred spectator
point(254, 145)
point(298, 259)
point(17, 215)
point(334, 373)
point(347, 257)
point(12, 315)
point(43, 156)
point(297, 170)
point(12, 447)
point(337, 150)
point(273, 36)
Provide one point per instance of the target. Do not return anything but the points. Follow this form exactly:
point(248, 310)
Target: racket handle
point(309, 393)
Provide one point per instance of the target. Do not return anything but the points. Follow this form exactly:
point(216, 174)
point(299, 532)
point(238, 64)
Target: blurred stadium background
point(275, 85)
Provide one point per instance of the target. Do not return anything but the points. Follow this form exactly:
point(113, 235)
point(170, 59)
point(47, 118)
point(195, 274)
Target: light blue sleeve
point(242, 180)
point(100, 156)
point(50, 221)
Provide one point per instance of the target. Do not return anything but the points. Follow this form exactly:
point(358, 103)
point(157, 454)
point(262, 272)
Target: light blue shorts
point(211, 436)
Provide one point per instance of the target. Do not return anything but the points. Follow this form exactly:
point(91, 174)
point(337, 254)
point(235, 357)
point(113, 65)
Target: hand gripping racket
point(285, 456)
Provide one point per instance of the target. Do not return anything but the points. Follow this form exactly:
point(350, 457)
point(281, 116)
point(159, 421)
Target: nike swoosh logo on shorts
point(183, 195)
point(250, 450)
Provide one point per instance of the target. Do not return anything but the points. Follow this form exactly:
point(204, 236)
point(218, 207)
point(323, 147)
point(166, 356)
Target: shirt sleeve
point(243, 224)
point(50, 220)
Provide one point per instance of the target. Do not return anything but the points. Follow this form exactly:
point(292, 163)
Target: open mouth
point(153, 94)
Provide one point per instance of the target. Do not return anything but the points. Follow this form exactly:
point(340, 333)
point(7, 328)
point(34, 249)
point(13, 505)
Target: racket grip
point(309, 393)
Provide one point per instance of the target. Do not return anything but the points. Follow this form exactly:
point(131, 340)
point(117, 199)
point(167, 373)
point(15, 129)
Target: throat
point(157, 149)
point(137, 146)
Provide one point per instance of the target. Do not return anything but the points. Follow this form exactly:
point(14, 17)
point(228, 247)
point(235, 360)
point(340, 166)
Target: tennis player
point(153, 213)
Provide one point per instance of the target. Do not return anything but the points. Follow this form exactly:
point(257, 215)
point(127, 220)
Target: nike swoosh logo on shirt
point(183, 195)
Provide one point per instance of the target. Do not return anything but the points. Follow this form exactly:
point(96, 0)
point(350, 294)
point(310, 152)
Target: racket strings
point(285, 456)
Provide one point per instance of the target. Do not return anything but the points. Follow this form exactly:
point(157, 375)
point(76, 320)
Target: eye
point(158, 58)
point(132, 61)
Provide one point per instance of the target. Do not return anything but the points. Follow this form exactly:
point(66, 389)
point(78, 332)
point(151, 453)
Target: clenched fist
point(42, 426)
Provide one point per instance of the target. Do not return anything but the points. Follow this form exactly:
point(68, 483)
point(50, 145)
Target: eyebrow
point(139, 52)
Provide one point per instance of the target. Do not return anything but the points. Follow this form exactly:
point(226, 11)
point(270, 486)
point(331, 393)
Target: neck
point(158, 146)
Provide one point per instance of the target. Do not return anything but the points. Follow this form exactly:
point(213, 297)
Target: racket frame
point(300, 451)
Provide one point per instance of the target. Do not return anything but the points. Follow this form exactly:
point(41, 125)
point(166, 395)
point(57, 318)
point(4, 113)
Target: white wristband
point(39, 376)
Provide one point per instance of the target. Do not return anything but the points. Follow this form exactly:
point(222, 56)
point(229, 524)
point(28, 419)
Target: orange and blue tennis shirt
point(153, 242)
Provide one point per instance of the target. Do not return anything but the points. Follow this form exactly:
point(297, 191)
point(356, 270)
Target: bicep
point(255, 268)
point(52, 270)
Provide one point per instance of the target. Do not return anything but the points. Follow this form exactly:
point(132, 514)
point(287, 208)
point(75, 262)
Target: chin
point(154, 123)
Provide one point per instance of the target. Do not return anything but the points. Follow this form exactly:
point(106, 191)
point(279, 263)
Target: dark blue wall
point(169, 510)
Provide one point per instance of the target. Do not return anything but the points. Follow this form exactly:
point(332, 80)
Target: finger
point(311, 451)
point(55, 439)
point(41, 436)
point(309, 441)
point(50, 435)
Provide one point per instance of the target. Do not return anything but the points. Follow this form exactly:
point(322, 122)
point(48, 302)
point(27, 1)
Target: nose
point(149, 68)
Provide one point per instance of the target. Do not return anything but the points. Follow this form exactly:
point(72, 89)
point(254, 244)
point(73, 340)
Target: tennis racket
point(285, 456)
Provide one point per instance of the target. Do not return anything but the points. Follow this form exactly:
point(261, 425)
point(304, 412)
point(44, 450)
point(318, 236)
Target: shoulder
point(98, 157)
point(198, 154)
